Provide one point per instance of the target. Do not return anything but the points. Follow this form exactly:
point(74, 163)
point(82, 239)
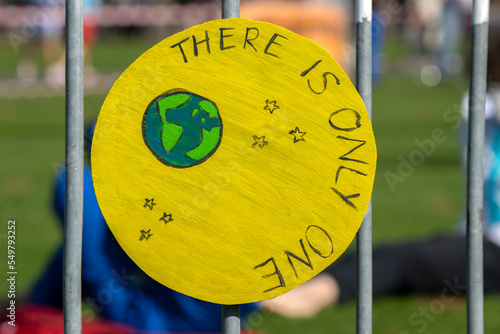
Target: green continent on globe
point(182, 129)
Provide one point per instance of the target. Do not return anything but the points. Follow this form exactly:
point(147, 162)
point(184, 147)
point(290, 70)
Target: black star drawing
point(297, 135)
point(149, 203)
point(271, 106)
point(166, 218)
point(260, 141)
point(145, 235)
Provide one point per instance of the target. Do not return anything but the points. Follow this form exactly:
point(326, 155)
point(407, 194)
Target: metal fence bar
point(364, 237)
point(231, 322)
point(230, 9)
point(475, 148)
point(72, 242)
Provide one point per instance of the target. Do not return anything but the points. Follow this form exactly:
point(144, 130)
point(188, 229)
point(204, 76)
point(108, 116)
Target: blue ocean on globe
point(182, 129)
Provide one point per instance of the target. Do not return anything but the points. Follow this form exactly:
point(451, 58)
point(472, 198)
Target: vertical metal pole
point(230, 9)
point(231, 323)
point(364, 238)
point(72, 243)
point(477, 96)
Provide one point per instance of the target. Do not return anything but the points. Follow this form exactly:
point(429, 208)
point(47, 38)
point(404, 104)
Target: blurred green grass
point(428, 202)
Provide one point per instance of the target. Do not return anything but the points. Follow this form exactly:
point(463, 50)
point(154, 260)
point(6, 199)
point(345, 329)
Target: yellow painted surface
point(280, 196)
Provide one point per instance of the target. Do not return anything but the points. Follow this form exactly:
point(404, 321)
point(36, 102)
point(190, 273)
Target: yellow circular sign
point(233, 161)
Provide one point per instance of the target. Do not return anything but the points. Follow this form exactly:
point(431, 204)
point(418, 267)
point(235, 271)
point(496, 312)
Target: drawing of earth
point(182, 129)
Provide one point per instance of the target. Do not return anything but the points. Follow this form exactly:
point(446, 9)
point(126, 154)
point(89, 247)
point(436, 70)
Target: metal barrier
point(475, 148)
point(231, 322)
point(73, 220)
point(364, 239)
point(231, 319)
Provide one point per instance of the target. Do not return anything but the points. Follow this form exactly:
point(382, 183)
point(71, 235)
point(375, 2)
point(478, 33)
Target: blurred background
point(420, 62)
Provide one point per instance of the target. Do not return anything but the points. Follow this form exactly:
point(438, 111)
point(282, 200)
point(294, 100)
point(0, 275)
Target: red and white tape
point(113, 16)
